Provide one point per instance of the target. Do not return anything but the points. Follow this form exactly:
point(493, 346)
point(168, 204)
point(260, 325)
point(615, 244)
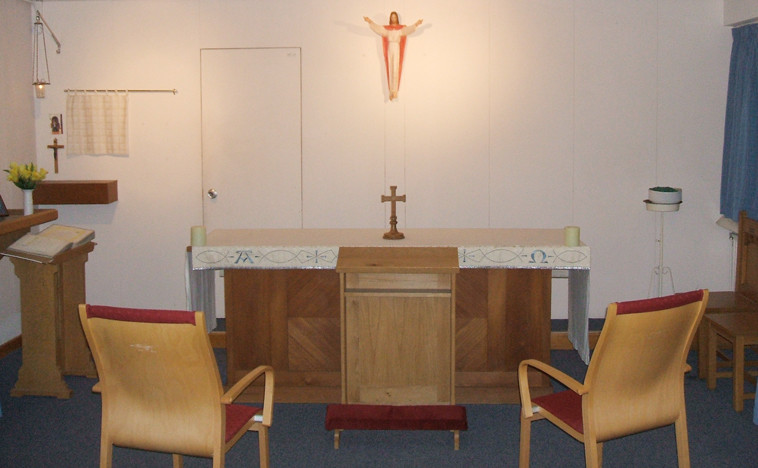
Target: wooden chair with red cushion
point(744, 298)
point(161, 388)
point(634, 382)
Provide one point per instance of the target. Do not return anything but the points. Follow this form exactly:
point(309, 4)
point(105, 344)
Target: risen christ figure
point(393, 42)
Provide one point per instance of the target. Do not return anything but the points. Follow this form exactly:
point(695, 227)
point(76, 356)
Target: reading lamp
point(40, 79)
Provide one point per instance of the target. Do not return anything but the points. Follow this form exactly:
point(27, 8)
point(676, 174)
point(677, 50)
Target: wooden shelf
point(76, 192)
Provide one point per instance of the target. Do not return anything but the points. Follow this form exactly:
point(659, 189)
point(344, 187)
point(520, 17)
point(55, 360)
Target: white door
point(251, 138)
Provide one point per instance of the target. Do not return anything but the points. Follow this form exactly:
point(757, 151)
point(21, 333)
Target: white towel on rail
point(98, 123)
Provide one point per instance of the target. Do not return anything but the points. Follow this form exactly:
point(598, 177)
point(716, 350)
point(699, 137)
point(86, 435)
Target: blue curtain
point(739, 168)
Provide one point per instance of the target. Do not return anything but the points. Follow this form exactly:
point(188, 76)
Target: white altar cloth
point(319, 248)
point(477, 248)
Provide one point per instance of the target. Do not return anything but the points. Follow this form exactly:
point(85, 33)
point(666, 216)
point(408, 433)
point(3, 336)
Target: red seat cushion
point(659, 303)
point(378, 417)
point(126, 314)
point(565, 405)
point(236, 417)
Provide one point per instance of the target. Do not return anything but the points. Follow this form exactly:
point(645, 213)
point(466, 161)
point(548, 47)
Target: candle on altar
point(197, 236)
point(571, 236)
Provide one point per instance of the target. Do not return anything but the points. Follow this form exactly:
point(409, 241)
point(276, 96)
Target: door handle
point(212, 193)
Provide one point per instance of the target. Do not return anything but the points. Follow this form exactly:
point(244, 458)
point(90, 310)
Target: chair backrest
point(635, 379)
point(161, 389)
point(746, 278)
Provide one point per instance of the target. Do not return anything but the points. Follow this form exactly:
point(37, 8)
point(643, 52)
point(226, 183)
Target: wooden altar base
point(290, 319)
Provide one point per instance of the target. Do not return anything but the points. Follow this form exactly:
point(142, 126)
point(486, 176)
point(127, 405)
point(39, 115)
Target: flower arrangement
point(25, 176)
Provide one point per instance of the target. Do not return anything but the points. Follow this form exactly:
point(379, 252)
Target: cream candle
point(197, 236)
point(571, 236)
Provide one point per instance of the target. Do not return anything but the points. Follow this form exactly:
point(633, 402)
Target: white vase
point(28, 202)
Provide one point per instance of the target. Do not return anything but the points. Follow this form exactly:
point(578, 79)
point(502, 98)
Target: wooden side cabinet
point(398, 325)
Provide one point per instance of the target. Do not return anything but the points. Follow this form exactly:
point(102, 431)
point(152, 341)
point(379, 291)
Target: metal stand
point(661, 271)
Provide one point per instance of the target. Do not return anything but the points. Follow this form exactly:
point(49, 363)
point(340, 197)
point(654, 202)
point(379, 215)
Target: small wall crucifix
point(393, 199)
point(55, 147)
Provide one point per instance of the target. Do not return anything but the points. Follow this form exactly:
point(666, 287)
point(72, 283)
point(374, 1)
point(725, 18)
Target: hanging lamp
point(41, 71)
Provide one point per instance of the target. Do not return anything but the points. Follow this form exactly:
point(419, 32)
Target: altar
point(281, 295)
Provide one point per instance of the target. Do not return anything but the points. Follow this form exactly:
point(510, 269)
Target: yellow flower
point(26, 176)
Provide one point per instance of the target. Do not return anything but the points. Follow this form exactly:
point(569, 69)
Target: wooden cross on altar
point(393, 199)
point(55, 147)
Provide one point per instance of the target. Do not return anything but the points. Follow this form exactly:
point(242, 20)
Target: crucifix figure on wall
point(55, 147)
point(393, 198)
point(393, 43)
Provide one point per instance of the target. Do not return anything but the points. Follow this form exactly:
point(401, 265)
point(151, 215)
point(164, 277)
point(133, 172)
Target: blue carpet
point(47, 432)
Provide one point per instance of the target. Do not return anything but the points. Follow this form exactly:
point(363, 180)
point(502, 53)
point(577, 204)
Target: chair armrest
point(97, 388)
point(687, 368)
point(268, 391)
point(523, 382)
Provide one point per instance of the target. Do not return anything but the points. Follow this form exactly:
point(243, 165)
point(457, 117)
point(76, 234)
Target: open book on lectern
point(52, 240)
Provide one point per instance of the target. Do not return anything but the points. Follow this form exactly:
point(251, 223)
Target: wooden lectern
point(398, 340)
point(398, 325)
point(53, 340)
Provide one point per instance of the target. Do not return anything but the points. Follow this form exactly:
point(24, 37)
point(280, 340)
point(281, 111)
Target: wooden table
point(14, 226)
point(282, 303)
point(740, 329)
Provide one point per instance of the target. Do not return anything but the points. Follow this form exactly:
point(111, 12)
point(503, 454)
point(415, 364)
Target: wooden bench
point(340, 417)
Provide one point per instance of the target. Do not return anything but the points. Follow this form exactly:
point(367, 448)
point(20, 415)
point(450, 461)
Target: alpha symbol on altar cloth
point(393, 198)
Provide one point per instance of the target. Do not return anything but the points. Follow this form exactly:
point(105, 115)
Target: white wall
point(738, 12)
point(138, 259)
point(511, 114)
point(16, 135)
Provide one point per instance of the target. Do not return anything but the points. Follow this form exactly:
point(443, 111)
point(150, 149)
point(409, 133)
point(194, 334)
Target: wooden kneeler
point(340, 417)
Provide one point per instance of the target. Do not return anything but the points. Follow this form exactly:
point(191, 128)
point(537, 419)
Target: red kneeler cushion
point(380, 417)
